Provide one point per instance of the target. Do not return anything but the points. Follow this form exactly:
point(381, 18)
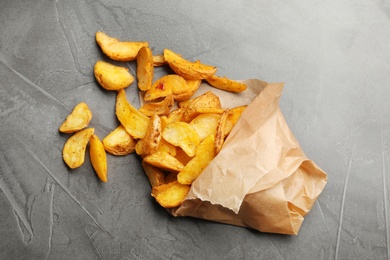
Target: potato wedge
point(221, 128)
point(156, 176)
point(225, 83)
point(133, 121)
point(78, 119)
point(205, 124)
point(119, 142)
point(187, 69)
point(204, 155)
point(112, 77)
point(170, 195)
point(158, 108)
point(165, 86)
point(191, 88)
point(164, 146)
point(139, 148)
point(118, 50)
point(145, 68)
point(98, 157)
point(205, 103)
point(180, 86)
point(73, 152)
point(165, 161)
point(206, 100)
point(183, 135)
point(158, 60)
point(152, 137)
point(235, 114)
point(228, 128)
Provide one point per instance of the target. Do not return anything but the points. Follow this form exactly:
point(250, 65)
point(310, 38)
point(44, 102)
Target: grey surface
point(333, 56)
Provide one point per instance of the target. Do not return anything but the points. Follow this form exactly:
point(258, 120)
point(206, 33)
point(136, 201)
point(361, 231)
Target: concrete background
point(332, 55)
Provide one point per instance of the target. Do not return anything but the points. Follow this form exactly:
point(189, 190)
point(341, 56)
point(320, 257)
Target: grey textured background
point(333, 56)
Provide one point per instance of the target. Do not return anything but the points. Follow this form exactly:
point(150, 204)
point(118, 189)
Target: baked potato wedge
point(156, 176)
point(226, 84)
point(145, 68)
point(74, 149)
point(162, 107)
point(165, 161)
point(118, 50)
point(132, 120)
point(188, 69)
point(78, 119)
point(183, 135)
point(170, 195)
point(98, 157)
point(204, 155)
point(119, 142)
point(112, 77)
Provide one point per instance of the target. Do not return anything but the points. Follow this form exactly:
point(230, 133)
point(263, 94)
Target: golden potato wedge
point(228, 128)
point(205, 124)
point(98, 157)
point(73, 152)
point(118, 50)
point(191, 88)
point(187, 69)
point(119, 142)
point(78, 119)
point(145, 68)
point(158, 108)
point(164, 146)
point(220, 136)
point(139, 148)
point(164, 161)
point(152, 137)
point(165, 86)
point(183, 135)
point(156, 176)
point(205, 103)
point(180, 86)
point(204, 155)
point(133, 121)
point(112, 77)
point(225, 83)
point(170, 195)
point(158, 60)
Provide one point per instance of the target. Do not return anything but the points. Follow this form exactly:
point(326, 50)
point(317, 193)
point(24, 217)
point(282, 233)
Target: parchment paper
point(261, 179)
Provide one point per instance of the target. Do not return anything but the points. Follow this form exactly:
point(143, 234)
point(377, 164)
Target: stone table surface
point(334, 57)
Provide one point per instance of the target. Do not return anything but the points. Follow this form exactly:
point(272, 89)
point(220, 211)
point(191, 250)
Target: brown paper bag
point(261, 179)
